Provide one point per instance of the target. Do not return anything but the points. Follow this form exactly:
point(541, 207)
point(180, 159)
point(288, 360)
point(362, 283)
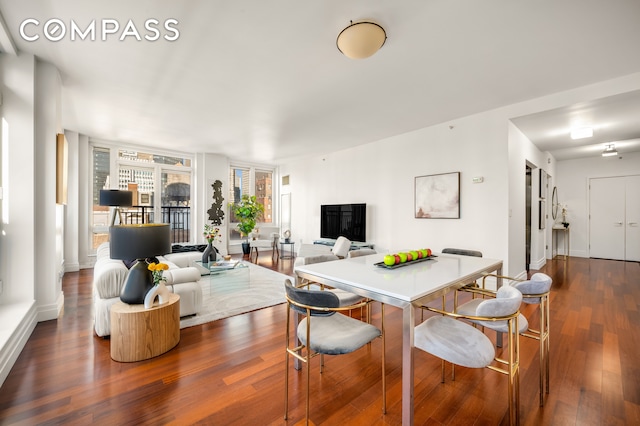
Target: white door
point(633, 218)
point(607, 218)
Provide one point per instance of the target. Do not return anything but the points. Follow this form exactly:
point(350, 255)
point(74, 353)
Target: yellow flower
point(156, 269)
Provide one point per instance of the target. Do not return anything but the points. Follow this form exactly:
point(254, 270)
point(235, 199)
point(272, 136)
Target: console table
point(283, 254)
point(566, 239)
point(138, 333)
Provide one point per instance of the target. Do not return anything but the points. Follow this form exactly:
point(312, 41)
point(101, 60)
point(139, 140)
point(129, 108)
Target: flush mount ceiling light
point(609, 150)
point(581, 133)
point(361, 39)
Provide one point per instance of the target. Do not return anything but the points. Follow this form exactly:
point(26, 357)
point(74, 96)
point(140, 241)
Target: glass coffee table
point(224, 277)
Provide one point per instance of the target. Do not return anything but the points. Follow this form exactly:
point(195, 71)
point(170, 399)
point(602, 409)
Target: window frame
point(252, 168)
point(115, 163)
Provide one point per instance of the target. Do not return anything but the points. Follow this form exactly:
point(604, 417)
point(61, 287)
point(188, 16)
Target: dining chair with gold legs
point(535, 291)
point(325, 331)
point(461, 344)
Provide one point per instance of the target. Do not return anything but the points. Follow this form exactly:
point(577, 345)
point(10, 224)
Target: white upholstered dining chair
point(459, 343)
point(341, 247)
point(271, 243)
point(535, 291)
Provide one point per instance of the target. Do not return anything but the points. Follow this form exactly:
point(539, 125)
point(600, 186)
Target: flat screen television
point(347, 220)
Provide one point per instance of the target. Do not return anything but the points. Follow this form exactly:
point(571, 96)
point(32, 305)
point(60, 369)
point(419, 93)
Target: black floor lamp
point(116, 198)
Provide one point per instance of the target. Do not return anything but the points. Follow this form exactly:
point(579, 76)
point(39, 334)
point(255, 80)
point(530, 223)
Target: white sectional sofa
point(109, 276)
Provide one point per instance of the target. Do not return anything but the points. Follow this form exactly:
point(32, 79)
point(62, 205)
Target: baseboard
point(19, 321)
point(87, 265)
point(51, 311)
point(538, 264)
point(72, 267)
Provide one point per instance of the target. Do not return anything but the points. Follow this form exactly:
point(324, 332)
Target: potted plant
point(246, 211)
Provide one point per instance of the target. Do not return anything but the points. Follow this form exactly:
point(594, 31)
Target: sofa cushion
point(109, 276)
point(178, 248)
point(103, 251)
point(181, 275)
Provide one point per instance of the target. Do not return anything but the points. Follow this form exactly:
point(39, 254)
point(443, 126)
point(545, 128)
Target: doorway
point(527, 209)
point(614, 216)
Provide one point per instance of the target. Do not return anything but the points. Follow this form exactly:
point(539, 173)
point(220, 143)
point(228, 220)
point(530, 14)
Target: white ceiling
point(263, 80)
point(614, 119)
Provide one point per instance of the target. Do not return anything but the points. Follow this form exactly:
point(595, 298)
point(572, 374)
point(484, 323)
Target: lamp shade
point(127, 242)
point(115, 197)
point(361, 39)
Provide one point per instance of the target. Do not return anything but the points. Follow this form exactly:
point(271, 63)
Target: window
point(100, 220)
point(264, 193)
point(251, 181)
point(160, 186)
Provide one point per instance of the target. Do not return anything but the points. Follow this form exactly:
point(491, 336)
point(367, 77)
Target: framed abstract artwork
point(543, 185)
point(437, 196)
point(542, 215)
point(62, 165)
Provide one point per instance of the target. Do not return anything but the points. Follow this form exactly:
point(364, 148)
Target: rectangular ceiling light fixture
point(609, 150)
point(581, 133)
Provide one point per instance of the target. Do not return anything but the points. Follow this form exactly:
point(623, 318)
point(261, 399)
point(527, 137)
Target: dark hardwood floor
point(231, 371)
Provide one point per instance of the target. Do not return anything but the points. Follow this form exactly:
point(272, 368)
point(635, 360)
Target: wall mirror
point(554, 203)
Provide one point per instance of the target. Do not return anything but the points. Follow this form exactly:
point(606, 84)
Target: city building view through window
point(160, 187)
point(249, 181)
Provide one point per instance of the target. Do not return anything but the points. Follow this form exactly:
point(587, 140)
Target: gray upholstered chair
point(271, 243)
point(535, 291)
point(461, 344)
point(463, 252)
point(325, 331)
point(360, 252)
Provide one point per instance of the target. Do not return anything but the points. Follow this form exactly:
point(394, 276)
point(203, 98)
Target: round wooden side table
point(138, 333)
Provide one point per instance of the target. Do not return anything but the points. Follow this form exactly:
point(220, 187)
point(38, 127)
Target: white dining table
point(404, 287)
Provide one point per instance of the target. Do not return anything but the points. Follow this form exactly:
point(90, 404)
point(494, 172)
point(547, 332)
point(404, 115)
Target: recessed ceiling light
point(581, 133)
point(609, 150)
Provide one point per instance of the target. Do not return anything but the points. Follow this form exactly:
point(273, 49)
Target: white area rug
point(231, 294)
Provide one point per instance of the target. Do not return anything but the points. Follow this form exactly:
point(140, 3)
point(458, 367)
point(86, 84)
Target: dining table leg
point(408, 322)
point(498, 285)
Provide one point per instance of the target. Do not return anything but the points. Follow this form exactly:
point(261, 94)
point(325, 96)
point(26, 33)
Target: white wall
point(522, 153)
point(84, 204)
point(48, 217)
point(382, 175)
point(72, 219)
point(209, 168)
point(572, 182)
point(17, 239)
point(18, 90)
